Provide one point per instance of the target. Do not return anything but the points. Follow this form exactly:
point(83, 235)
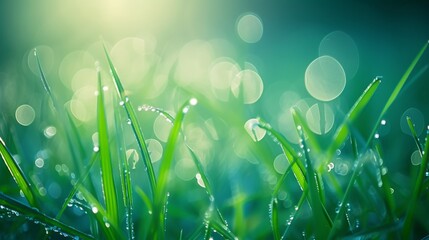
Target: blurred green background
point(166, 51)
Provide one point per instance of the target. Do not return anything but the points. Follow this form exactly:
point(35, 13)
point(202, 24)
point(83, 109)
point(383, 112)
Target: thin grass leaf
point(35, 215)
point(125, 175)
point(322, 222)
point(165, 170)
point(293, 216)
point(291, 155)
point(282, 179)
point(418, 183)
point(18, 175)
point(135, 125)
point(338, 218)
point(110, 230)
point(274, 217)
point(414, 134)
point(107, 180)
point(376, 232)
point(79, 182)
point(222, 230)
point(145, 199)
point(311, 137)
point(343, 130)
point(396, 91)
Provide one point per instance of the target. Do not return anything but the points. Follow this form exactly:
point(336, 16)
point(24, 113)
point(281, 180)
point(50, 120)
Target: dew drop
point(383, 122)
point(121, 103)
point(253, 129)
point(96, 149)
point(129, 121)
point(193, 101)
point(376, 136)
point(94, 210)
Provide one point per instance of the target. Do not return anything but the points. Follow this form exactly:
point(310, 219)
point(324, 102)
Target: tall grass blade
point(275, 218)
point(409, 217)
point(18, 175)
point(107, 179)
point(35, 215)
point(124, 100)
point(414, 134)
point(396, 91)
point(293, 215)
point(125, 175)
point(164, 171)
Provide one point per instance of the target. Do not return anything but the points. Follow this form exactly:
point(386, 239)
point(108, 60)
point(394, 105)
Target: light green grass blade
point(134, 123)
point(343, 130)
point(158, 224)
point(109, 230)
point(322, 223)
point(409, 218)
point(311, 137)
point(18, 175)
point(79, 182)
point(35, 215)
point(396, 91)
point(107, 179)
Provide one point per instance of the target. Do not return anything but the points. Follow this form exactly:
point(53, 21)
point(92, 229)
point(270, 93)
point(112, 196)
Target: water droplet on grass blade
point(253, 129)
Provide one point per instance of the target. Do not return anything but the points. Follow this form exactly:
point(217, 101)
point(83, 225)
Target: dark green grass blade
point(18, 175)
point(396, 91)
point(158, 223)
point(34, 214)
point(414, 134)
point(322, 222)
point(343, 130)
point(293, 216)
point(222, 230)
point(409, 218)
point(107, 179)
point(134, 124)
point(125, 175)
point(80, 181)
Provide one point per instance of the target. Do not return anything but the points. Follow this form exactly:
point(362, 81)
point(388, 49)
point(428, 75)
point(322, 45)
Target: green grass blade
point(311, 137)
point(409, 218)
point(80, 181)
point(222, 230)
point(104, 222)
point(322, 222)
point(290, 153)
point(282, 179)
point(134, 124)
point(34, 214)
point(274, 209)
point(18, 175)
point(293, 215)
point(343, 130)
point(396, 91)
point(414, 134)
point(125, 175)
point(165, 170)
point(107, 179)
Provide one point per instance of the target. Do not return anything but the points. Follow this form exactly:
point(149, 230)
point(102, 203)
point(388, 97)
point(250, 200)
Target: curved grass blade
point(222, 230)
point(343, 130)
point(77, 185)
point(291, 155)
point(396, 91)
point(408, 223)
point(164, 171)
point(18, 175)
point(107, 179)
point(34, 214)
point(134, 124)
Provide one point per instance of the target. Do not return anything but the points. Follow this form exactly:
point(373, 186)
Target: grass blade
point(396, 91)
point(414, 134)
point(164, 171)
point(124, 100)
point(293, 215)
point(77, 185)
point(107, 180)
point(343, 130)
point(275, 217)
point(34, 214)
point(18, 175)
point(408, 223)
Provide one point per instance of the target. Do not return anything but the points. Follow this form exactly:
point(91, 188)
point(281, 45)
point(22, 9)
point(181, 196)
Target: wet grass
point(306, 200)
